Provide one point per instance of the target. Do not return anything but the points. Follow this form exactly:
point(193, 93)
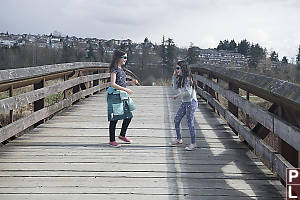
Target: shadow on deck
point(68, 157)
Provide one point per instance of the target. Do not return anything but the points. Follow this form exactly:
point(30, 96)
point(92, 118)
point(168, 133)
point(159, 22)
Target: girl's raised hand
point(135, 81)
point(129, 91)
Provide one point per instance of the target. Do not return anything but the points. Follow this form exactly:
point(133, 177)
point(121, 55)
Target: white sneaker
point(177, 142)
point(191, 147)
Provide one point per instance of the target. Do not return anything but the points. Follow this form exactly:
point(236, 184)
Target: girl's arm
point(174, 73)
point(116, 86)
point(133, 80)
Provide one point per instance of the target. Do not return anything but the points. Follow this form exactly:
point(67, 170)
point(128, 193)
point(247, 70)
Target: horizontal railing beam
point(28, 121)
point(274, 90)
point(284, 130)
point(29, 97)
point(270, 157)
point(12, 75)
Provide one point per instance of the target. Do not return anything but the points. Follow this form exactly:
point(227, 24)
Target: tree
point(90, 52)
point(224, 45)
point(244, 47)
point(284, 60)
point(274, 56)
point(256, 54)
point(232, 45)
point(146, 40)
point(101, 52)
point(192, 55)
point(68, 53)
point(220, 45)
point(168, 55)
point(123, 46)
point(146, 47)
point(171, 53)
point(164, 53)
point(298, 58)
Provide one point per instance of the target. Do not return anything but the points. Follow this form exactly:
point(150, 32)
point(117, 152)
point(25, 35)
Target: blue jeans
point(188, 109)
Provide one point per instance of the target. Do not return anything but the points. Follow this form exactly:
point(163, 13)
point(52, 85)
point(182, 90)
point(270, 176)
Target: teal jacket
point(119, 104)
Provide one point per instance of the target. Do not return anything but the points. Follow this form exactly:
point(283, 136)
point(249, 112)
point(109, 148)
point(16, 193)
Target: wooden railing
point(65, 83)
point(275, 138)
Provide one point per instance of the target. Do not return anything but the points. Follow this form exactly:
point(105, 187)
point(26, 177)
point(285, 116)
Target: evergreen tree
point(224, 45)
point(90, 52)
point(164, 53)
point(298, 58)
point(274, 56)
point(192, 55)
point(244, 47)
point(232, 45)
point(68, 53)
point(146, 40)
point(146, 45)
point(284, 60)
point(123, 47)
point(171, 53)
point(101, 52)
point(220, 45)
point(256, 53)
point(129, 51)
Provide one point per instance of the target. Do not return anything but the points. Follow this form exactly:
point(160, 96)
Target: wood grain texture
point(71, 159)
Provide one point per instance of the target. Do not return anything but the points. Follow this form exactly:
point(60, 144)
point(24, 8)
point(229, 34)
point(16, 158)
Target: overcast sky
point(274, 24)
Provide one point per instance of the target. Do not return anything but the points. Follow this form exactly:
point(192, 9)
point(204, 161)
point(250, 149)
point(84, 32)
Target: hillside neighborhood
point(56, 41)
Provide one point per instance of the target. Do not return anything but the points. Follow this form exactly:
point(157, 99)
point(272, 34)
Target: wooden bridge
point(59, 149)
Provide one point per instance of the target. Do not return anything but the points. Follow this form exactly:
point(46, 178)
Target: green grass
point(52, 99)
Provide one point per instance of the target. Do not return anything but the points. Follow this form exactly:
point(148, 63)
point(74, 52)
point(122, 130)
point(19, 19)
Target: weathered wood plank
point(140, 191)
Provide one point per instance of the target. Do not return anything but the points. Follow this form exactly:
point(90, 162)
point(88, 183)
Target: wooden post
point(210, 90)
point(231, 107)
point(65, 91)
point(217, 96)
point(286, 150)
point(200, 84)
point(247, 116)
point(96, 82)
point(39, 104)
point(108, 79)
point(11, 112)
point(83, 86)
point(76, 88)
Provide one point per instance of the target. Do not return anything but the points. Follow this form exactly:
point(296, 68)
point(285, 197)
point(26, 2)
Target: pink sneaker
point(114, 144)
point(125, 139)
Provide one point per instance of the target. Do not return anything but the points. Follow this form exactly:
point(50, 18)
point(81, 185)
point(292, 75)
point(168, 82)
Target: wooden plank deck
point(68, 158)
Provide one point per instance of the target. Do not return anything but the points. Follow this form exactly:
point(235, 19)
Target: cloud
point(203, 23)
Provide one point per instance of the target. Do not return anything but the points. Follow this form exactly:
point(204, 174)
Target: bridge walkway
point(68, 158)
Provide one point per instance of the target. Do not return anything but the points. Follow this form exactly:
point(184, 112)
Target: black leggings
point(112, 128)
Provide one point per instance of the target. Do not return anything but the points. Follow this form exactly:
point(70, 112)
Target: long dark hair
point(186, 75)
point(115, 59)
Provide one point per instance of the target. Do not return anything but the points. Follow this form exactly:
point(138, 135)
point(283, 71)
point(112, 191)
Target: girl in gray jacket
point(188, 106)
